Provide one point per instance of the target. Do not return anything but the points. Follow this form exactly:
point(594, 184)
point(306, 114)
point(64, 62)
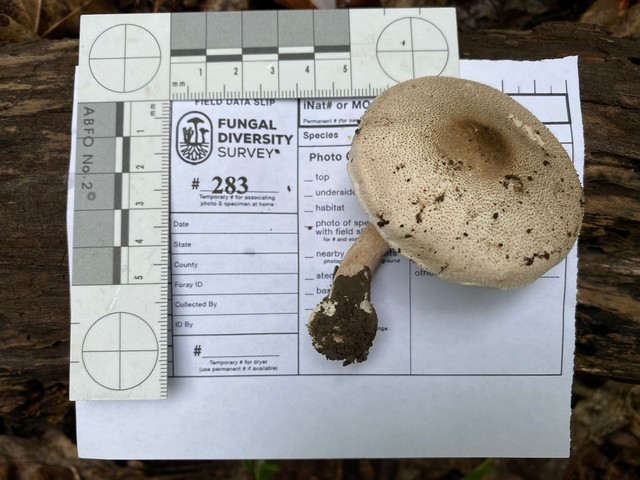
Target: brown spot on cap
point(382, 222)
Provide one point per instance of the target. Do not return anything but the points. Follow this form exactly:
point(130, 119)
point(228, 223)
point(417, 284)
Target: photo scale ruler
point(308, 54)
point(120, 268)
point(131, 67)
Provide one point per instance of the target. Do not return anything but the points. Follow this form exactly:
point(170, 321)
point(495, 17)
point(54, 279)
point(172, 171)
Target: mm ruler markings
point(313, 53)
point(129, 72)
point(120, 252)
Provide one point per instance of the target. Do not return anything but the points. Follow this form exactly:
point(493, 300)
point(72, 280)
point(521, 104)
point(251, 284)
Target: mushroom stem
point(344, 324)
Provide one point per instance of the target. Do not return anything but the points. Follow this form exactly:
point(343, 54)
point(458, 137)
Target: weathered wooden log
point(36, 83)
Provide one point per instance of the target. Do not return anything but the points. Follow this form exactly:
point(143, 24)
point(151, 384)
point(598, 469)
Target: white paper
point(454, 370)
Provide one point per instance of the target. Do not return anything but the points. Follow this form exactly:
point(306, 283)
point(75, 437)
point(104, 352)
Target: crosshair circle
point(124, 58)
point(120, 351)
point(412, 47)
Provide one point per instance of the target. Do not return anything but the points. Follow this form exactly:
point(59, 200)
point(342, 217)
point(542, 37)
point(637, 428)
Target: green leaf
point(485, 468)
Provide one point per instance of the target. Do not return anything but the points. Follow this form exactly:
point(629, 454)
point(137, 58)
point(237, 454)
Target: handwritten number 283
point(230, 185)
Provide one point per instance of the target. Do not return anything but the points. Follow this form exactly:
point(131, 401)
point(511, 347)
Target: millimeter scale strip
point(120, 266)
point(131, 67)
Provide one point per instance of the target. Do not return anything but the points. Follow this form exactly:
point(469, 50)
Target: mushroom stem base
point(344, 323)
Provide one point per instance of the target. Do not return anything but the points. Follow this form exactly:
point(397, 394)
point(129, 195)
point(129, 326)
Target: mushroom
point(462, 180)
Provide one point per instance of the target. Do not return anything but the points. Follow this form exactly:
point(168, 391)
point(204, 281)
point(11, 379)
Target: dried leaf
point(622, 19)
point(14, 32)
point(24, 12)
point(62, 17)
point(223, 5)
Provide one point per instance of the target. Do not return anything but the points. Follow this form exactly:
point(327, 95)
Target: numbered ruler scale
point(130, 69)
point(120, 251)
point(299, 54)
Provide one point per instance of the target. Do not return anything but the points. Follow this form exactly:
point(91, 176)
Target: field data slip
point(261, 213)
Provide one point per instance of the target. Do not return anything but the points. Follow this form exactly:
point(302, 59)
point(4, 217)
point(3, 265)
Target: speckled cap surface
point(465, 182)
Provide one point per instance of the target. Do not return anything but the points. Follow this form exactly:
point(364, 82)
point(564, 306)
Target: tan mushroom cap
point(466, 182)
